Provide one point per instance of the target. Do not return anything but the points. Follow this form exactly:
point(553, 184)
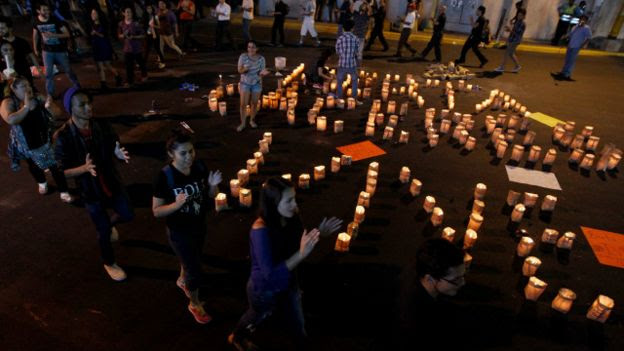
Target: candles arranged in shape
point(566, 241)
point(370, 129)
point(530, 199)
point(469, 238)
point(234, 187)
point(479, 191)
point(512, 198)
point(252, 166)
point(429, 204)
point(448, 233)
point(220, 202)
point(415, 187)
point(530, 266)
point(600, 309)
point(345, 160)
point(550, 236)
point(404, 175)
point(478, 206)
point(388, 132)
point(518, 213)
point(319, 173)
point(359, 215)
point(437, 216)
point(563, 301)
point(321, 123)
point(244, 197)
point(364, 199)
point(549, 202)
point(304, 181)
point(335, 164)
point(264, 146)
point(404, 137)
point(534, 288)
point(475, 221)
point(243, 177)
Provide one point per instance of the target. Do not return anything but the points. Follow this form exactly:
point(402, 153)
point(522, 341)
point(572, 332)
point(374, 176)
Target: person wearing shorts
point(252, 67)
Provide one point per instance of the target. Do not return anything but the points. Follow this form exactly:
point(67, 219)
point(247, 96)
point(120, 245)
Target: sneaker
point(241, 344)
point(317, 86)
point(182, 285)
point(115, 272)
point(199, 313)
point(240, 128)
point(66, 197)
point(499, 69)
point(114, 235)
point(161, 65)
point(517, 69)
point(43, 188)
point(253, 124)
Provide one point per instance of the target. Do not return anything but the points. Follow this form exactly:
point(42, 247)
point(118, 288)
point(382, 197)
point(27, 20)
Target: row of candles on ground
point(500, 100)
point(461, 133)
point(529, 200)
point(237, 186)
point(563, 134)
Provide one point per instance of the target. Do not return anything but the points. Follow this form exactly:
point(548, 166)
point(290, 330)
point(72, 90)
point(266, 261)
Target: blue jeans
point(263, 303)
point(570, 60)
point(188, 247)
point(104, 223)
point(61, 59)
point(342, 74)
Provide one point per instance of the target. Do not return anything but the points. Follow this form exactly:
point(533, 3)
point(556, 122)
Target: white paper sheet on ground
point(532, 177)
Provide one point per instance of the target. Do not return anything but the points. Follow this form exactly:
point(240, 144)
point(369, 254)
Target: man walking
point(85, 150)
point(347, 47)
point(379, 14)
point(248, 16)
point(408, 23)
point(579, 37)
point(474, 39)
point(436, 37)
point(52, 35)
point(279, 15)
point(307, 26)
point(223, 11)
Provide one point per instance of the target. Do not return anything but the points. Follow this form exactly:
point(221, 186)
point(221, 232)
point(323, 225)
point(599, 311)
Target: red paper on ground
point(607, 246)
point(361, 150)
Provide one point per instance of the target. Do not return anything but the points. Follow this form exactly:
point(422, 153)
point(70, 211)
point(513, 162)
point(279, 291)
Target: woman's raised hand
point(308, 241)
point(329, 226)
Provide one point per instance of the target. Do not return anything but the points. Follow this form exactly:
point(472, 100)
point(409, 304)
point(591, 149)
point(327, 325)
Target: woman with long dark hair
point(180, 194)
point(278, 244)
point(150, 22)
point(30, 136)
point(102, 48)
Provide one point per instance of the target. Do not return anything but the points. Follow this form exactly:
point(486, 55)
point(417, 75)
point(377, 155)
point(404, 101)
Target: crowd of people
point(86, 149)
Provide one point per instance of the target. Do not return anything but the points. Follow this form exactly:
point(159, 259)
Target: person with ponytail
point(278, 244)
point(181, 194)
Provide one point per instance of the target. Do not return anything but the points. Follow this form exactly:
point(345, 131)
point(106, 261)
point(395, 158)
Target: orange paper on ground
point(362, 150)
point(607, 246)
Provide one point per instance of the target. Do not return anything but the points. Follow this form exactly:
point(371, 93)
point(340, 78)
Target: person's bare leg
point(244, 101)
point(254, 109)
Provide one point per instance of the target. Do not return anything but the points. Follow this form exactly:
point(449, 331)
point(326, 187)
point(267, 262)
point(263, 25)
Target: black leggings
point(39, 175)
point(130, 58)
point(153, 42)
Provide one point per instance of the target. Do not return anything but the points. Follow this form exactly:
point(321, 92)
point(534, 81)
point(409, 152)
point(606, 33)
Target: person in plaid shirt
point(347, 48)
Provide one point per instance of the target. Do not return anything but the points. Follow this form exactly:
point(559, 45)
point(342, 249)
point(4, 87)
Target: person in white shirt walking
point(408, 23)
point(223, 11)
point(307, 26)
point(248, 16)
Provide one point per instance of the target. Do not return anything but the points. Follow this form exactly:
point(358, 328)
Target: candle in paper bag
point(319, 173)
point(338, 126)
point(558, 133)
point(234, 187)
point(463, 137)
point(340, 103)
point(393, 121)
point(342, 242)
point(243, 177)
point(448, 233)
point(478, 108)
point(512, 198)
point(592, 143)
point(469, 239)
point(475, 221)
point(530, 266)
point(479, 191)
point(345, 160)
point(404, 107)
point(518, 213)
point(350, 103)
point(445, 126)
point(500, 149)
point(404, 175)
point(577, 142)
point(429, 204)
point(415, 187)
point(290, 115)
point(364, 199)
point(283, 105)
point(529, 138)
point(220, 202)
point(534, 289)
point(566, 140)
point(550, 236)
point(252, 166)
point(550, 157)
point(371, 186)
point(304, 181)
point(433, 140)
point(370, 129)
point(244, 197)
point(470, 143)
point(366, 93)
point(353, 229)
point(517, 152)
point(525, 246)
point(321, 123)
point(222, 108)
point(312, 116)
point(576, 156)
point(530, 199)
point(213, 104)
point(379, 119)
point(510, 136)
point(404, 137)
point(467, 260)
point(287, 176)
point(587, 131)
point(563, 301)
point(263, 146)
point(371, 174)
point(549, 202)
point(614, 160)
point(587, 161)
point(600, 309)
point(359, 215)
point(384, 94)
point(335, 164)
point(437, 216)
point(391, 107)
point(420, 101)
point(388, 131)
point(566, 241)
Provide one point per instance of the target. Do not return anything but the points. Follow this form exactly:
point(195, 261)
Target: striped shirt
point(347, 47)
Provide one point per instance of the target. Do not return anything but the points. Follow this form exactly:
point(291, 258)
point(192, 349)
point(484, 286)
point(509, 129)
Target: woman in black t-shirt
point(29, 138)
point(180, 194)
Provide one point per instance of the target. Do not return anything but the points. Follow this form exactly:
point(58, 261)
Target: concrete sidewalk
point(325, 28)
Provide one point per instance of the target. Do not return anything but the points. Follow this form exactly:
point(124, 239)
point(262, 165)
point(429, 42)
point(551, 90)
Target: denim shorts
point(251, 88)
